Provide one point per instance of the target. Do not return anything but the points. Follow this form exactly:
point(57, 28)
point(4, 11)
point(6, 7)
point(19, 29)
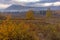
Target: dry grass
point(23, 30)
point(28, 29)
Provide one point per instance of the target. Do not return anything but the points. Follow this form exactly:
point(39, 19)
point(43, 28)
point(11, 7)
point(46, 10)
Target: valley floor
point(41, 29)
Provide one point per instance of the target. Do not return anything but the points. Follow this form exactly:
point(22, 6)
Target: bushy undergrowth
point(29, 29)
point(22, 30)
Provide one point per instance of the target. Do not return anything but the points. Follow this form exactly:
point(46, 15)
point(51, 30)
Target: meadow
point(29, 29)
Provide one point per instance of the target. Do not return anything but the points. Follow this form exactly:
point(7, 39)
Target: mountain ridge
point(20, 7)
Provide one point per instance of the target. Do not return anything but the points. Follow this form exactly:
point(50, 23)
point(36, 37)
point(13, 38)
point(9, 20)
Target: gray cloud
point(35, 4)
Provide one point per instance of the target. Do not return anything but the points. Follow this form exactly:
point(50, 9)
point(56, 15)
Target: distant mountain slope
point(20, 7)
point(16, 7)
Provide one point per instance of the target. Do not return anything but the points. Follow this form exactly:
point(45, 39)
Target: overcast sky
point(35, 3)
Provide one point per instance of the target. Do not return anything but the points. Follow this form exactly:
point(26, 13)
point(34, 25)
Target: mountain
point(55, 7)
point(21, 8)
point(17, 7)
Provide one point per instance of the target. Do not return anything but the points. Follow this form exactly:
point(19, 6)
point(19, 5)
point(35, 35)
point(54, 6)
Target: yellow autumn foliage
point(28, 30)
point(30, 14)
point(49, 13)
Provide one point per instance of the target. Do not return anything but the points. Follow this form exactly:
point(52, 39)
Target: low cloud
point(26, 0)
point(32, 3)
point(2, 6)
point(44, 4)
point(56, 4)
